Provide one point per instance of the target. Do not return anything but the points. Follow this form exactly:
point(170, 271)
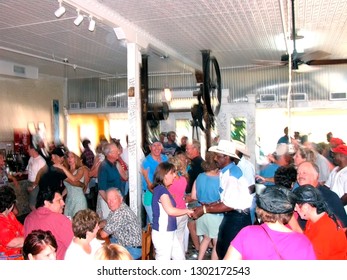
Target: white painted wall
point(26, 100)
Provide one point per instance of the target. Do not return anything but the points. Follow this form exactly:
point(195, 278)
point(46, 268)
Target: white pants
point(181, 230)
point(102, 208)
point(167, 246)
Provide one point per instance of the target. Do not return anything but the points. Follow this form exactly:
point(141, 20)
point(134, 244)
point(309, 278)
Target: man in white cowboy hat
point(235, 196)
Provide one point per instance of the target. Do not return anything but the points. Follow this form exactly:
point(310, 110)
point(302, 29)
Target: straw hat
point(242, 148)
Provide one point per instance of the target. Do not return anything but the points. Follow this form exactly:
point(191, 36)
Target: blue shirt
point(150, 163)
point(269, 172)
point(109, 177)
point(283, 140)
point(207, 188)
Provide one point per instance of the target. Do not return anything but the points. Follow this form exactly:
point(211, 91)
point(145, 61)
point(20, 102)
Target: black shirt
point(194, 171)
point(53, 177)
point(334, 203)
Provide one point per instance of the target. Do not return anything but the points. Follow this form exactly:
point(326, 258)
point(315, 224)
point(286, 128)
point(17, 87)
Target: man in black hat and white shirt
point(235, 197)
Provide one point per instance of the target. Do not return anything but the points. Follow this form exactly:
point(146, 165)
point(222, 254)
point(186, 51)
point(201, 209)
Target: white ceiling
point(237, 32)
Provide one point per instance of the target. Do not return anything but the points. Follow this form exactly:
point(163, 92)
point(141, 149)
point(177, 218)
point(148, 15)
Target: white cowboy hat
point(282, 149)
point(242, 148)
point(225, 147)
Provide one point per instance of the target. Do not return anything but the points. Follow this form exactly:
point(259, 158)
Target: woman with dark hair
point(324, 231)
point(272, 240)
point(285, 176)
point(11, 231)
point(164, 227)
point(40, 245)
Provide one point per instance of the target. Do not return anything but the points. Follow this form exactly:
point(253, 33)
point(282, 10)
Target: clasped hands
point(196, 213)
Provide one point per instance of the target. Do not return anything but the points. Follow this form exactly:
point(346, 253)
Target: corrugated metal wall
point(316, 84)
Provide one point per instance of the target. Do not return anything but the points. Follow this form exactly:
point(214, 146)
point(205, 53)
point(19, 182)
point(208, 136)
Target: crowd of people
point(293, 208)
point(72, 205)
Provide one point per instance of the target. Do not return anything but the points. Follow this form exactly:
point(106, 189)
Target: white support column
point(236, 110)
point(134, 137)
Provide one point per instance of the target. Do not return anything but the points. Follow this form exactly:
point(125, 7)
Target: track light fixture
point(119, 33)
point(91, 26)
point(79, 18)
point(61, 10)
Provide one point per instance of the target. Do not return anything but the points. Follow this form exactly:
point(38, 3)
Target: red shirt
point(10, 228)
point(328, 242)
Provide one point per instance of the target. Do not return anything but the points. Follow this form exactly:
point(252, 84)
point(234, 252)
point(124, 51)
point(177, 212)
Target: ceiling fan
point(301, 62)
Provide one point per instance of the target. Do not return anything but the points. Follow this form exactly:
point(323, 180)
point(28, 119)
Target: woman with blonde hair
point(112, 252)
point(178, 191)
point(303, 154)
point(75, 198)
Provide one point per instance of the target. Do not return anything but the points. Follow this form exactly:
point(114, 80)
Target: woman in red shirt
point(325, 233)
point(11, 231)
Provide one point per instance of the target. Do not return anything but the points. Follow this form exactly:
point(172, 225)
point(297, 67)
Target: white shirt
point(323, 166)
point(248, 170)
point(76, 253)
point(235, 192)
point(337, 182)
point(34, 165)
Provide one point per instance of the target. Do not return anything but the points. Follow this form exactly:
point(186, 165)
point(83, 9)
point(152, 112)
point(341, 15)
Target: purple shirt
point(161, 220)
point(253, 243)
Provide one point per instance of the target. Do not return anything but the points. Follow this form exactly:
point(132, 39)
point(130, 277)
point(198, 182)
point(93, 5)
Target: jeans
point(148, 209)
point(136, 253)
point(232, 223)
point(252, 210)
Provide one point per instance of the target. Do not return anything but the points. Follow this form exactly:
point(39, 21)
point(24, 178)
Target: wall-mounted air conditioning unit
point(268, 98)
point(338, 96)
point(90, 105)
point(75, 105)
point(12, 69)
point(295, 97)
point(298, 96)
point(111, 104)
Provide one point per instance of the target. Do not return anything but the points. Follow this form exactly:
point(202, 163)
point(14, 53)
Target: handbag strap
point(273, 243)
